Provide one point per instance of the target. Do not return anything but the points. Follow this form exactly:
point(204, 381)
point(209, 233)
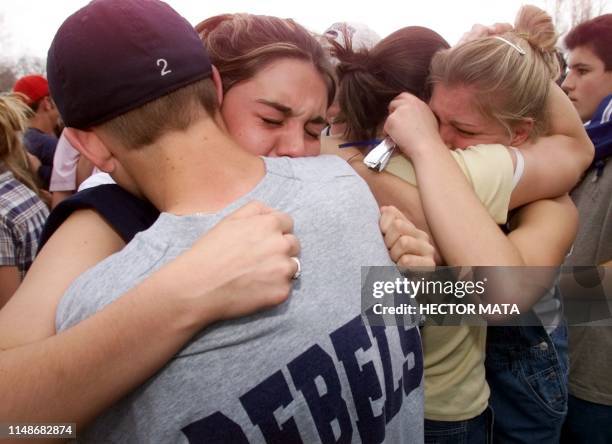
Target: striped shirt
point(22, 218)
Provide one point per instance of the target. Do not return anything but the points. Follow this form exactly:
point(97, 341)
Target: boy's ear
point(216, 77)
point(47, 104)
point(521, 132)
point(91, 146)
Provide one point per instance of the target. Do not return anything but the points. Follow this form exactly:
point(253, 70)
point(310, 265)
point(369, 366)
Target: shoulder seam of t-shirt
point(152, 241)
point(323, 168)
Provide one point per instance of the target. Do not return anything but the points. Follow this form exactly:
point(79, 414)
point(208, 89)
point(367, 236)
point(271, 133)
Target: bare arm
point(544, 231)
point(391, 190)
point(481, 242)
point(464, 232)
point(60, 378)
point(79, 243)
point(230, 272)
point(469, 237)
point(9, 281)
point(58, 196)
point(555, 163)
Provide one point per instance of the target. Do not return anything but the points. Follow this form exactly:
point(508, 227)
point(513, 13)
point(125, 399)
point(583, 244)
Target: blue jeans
point(471, 431)
point(527, 373)
point(587, 422)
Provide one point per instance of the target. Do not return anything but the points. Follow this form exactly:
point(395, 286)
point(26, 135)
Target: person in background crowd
point(589, 86)
point(22, 212)
point(40, 138)
point(70, 169)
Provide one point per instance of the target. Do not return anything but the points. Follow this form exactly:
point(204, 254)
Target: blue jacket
point(599, 129)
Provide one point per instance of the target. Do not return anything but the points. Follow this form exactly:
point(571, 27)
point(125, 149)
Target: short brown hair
point(173, 112)
point(595, 34)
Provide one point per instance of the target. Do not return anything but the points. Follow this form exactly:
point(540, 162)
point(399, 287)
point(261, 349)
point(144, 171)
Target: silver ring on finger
point(298, 272)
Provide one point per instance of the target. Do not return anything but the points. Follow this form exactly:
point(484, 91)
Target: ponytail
point(368, 80)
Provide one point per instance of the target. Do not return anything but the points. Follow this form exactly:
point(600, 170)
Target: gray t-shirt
point(590, 358)
point(309, 370)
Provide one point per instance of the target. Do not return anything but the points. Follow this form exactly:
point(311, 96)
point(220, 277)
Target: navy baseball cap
point(113, 56)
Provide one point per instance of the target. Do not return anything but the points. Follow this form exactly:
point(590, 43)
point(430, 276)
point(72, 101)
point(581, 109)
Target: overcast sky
point(29, 25)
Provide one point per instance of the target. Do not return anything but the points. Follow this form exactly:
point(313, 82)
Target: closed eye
point(313, 129)
point(316, 136)
point(466, 133)
point(273, 122)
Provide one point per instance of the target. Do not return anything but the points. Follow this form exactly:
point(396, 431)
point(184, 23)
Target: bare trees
point(12, 68)
point(569, 13)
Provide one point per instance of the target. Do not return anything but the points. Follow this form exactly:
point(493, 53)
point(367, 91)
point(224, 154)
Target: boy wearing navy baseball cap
point(122, 74)
point(135, 85)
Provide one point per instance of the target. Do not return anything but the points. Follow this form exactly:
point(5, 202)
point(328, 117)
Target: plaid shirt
point(22, 218)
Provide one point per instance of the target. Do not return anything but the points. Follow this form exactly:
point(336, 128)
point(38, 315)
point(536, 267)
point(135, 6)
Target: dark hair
point(595, 34)
point(368, 80)
point(240, 45)
point(35, 105)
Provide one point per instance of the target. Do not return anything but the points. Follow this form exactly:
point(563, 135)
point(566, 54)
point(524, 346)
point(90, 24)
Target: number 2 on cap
point(164, 64)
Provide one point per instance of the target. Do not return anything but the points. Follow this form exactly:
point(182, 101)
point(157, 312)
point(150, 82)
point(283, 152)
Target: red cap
point(33, 87)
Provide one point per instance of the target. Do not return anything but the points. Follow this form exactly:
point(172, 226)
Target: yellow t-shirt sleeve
point(488, 168)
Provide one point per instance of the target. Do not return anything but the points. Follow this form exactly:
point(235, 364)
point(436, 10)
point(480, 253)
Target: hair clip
point(520, 50)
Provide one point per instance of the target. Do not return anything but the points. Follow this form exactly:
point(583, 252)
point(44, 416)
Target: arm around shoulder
point(544, 231)
point(554, 163)
point(76, 374)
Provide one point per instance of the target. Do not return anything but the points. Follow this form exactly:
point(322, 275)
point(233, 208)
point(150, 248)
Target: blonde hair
point(510, 73)
point(13, 122)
